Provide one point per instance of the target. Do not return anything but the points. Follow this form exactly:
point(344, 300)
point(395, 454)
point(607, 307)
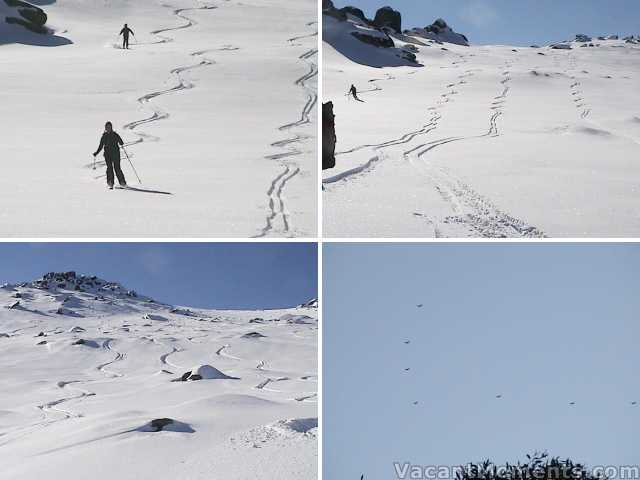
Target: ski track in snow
point(183, 84)
point(118, 358)
point(275, 193)
point(472, 212)
point(431, 125)
point(221, 352)
point(158, 113)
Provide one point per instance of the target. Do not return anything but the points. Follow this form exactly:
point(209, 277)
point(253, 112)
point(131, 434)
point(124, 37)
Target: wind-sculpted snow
point(111, 379)
point(486, 141)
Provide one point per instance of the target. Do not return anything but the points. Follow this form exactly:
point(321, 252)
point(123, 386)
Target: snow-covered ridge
point(57, 281)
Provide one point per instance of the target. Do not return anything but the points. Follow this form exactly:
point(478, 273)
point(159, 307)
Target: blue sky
point(206, 275)
point(540, 324)
point(520, 22)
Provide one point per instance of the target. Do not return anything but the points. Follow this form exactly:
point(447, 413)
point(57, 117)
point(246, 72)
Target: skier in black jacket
point(125, 36)
point(110, 142)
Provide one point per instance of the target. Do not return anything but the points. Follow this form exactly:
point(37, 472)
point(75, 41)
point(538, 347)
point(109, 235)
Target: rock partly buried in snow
point(253, 335)
point(583, 38)
point(300, 425)
point(86, 343)
point(297, 319)
point(375, 38)
point(76, 329)
point(561, 46)
point(166, 425)
point(205, 372)
point(389, 18)
point(17, 12)
point(440, 32)
point(152, 316)
point(313, 303)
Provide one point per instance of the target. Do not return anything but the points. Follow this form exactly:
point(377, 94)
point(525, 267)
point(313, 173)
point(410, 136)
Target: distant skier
point(125, 36)
point(110, 142)
point(354, 93)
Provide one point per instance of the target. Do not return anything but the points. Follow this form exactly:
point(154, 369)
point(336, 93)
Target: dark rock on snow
point(328, 136)
point(381, 42)
point(388, 17)
point(159, 423)
point(356, 12)
point(31, 17)
point(253, 335)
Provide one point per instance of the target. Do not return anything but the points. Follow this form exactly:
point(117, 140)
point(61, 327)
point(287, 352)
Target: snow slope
point(486, 141)
point(78, 410)
point(214, 100)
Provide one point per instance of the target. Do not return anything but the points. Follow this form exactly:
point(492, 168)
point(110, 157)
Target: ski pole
point(94, 162)
point(134, 168)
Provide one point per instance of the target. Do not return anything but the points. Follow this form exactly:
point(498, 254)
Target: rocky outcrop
point(29, 16)
point(440, 32)
point(375, 40)
point(387, 17)
point(328, 136)
point(356, 12)
point(583, 38)
point(327, 5)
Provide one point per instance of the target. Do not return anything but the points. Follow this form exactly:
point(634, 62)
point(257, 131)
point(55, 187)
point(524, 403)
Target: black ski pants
point(113, 163)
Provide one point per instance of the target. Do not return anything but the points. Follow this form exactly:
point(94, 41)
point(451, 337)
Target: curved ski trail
point(292, 146)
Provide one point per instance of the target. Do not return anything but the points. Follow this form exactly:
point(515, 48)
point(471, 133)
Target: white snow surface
point(485, 141)
point(215, 101)
point(78, 411)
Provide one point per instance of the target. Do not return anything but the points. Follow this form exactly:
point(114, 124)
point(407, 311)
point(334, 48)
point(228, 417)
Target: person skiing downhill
point(354, 93)
point(110, 142)
point(125, 36)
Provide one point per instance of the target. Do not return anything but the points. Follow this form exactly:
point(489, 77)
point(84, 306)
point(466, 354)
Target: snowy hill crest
point(57, 281)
